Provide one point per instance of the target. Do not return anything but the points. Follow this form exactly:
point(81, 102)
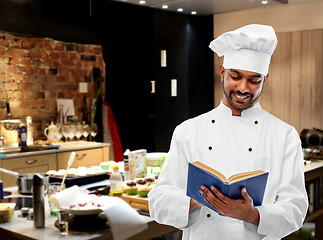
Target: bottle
point(30, 131)
point(60, 120)
point(38, 201)
point(126, 165)
point(116, 182)
point(22, 135)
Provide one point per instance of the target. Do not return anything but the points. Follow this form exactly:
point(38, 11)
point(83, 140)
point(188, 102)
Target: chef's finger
point(223, 198)
point(215, 203)
point(208, 194)
point(245, 195)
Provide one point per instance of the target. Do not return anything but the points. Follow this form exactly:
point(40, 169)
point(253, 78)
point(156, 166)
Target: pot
point(25, 181)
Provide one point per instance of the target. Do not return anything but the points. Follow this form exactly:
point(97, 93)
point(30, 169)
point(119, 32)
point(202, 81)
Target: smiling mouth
point(241, 97)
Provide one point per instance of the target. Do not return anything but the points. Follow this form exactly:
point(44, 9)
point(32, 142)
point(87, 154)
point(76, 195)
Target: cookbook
point(200, 174)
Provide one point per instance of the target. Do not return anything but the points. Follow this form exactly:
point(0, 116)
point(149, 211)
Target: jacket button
point(208, 215)
point(210, 148)
point(213, 121)
point(250, 149)
point(256, 122)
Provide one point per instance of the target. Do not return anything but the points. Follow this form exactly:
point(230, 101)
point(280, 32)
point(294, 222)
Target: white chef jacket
point(230, 144)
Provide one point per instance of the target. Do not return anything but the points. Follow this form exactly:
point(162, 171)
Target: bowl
point(7, 212)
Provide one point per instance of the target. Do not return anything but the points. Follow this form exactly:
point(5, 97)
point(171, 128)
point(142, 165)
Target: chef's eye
point(255, 80)
point(235, 76)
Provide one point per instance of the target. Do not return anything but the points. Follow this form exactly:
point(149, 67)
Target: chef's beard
point(240, 107)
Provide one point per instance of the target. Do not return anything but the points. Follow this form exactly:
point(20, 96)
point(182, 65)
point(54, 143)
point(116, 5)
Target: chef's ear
point(222, 71)
point(266, 77)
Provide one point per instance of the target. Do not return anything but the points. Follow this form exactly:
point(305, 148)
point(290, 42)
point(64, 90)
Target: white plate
point(92, 211)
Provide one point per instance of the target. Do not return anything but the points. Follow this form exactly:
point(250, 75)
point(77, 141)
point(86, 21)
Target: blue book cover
point(197, 176)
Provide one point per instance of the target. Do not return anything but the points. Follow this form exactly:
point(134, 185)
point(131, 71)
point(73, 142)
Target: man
point(237, 136)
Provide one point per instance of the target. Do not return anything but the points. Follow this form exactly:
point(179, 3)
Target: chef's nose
point(243, 86)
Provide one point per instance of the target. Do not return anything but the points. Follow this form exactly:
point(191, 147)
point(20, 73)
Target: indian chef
point(237, 136)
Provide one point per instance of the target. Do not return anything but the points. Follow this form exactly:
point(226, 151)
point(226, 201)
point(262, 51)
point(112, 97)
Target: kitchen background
point(124, 41)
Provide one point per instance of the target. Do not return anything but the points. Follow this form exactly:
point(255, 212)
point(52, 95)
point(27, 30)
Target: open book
point(200, 174)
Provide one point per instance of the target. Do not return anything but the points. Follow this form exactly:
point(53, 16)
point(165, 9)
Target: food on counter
point(90, 171)
point(131, 188)
point(141, 181)
point(143, 191)
point(71, 171)
point(7, 212)
point(60, 172)
point(107, 165)
point(86, 206)
point(80, 171)
point(150, 180)
point(51, 172)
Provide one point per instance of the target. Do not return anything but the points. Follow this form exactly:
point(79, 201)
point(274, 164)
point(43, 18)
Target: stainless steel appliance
point(312, 142)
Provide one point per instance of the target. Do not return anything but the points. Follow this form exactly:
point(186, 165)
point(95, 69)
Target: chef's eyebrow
point(236, 71)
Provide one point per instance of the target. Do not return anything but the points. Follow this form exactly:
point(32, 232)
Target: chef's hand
point(242, 209)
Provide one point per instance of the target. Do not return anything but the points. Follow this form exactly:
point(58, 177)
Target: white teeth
point(241, 97)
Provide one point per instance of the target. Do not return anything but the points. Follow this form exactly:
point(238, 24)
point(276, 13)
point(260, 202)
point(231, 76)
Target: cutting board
point(136, 202)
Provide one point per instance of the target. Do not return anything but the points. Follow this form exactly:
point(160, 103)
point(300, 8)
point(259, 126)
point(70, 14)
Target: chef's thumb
point(245, 195)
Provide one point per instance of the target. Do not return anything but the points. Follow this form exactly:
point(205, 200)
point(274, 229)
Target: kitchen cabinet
point(84, 158)
point(29, 164)
point(87, 154)
point(314, 171)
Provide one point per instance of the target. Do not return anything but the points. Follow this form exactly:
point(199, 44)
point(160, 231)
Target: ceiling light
point(264, 2)
point(164, 6)
point(193, 12)
point(142, 2)
point(180, 10)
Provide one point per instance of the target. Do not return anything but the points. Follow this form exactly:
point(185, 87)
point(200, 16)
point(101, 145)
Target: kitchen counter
point(64, 147)
point(21, 228)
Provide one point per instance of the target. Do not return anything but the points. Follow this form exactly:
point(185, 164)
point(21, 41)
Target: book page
point(244, 175)
point(210, 170)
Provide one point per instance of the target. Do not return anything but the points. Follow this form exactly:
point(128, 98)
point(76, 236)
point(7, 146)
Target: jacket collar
point(254, 111)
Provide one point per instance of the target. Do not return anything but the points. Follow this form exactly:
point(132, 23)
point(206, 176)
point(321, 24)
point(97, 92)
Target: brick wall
point(37, 71)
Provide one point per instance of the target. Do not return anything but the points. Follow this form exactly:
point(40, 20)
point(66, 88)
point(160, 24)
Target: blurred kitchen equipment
point(51, 132)
point(308, 153)
point(69, 163)
point(63, 222)
point(312, 138)
point(312, 142)
point(60, 120)
point(38, 201)
point(9, 141)
point(7, 212)
point(21, 202)
point(7, 101)
point(24, 181)
point(30, 131)
point(1, 190)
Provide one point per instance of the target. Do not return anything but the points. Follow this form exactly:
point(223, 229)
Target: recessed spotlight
point(193, 12)
point(180, 10)
point(142, 2)
point(264, 2)
point(165, 6)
